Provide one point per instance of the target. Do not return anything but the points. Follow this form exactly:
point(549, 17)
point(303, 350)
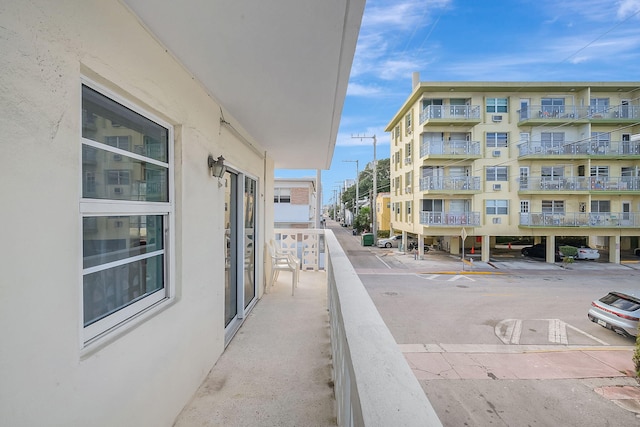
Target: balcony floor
point(277, 369)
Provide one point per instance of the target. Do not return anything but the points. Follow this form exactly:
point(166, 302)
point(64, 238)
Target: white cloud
point(356, 89)
point(628, 8)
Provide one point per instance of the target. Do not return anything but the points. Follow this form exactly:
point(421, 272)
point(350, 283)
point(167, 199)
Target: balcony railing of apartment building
point(458, 148)
point(450, 219)
point(580, 219)
point(373, 383)
point(580, 183)
point(450, 183)
point(450, 112)
point(586, 148)
point(572, 112)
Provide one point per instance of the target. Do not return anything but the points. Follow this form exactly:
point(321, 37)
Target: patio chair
point(283, 261)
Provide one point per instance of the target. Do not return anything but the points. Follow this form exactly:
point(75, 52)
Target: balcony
point(450, 219)
point(580, 184)
point(450, 184)
point(450, 115)
point(541, 114)
point(580, 219)
point(454, 149)
point(297, 339)
point(581, 149)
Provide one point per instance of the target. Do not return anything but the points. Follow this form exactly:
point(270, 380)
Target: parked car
point(391, 242)
point(395, 241)
point(585, 252)
point(617, 311)
point(636, 251)
point(539, 250)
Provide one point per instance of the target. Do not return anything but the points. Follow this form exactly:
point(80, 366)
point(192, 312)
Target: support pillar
point(614, 249)
point(486, 248)
point(551, 249)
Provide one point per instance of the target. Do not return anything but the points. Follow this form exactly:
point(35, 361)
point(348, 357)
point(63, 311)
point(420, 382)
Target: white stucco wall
point(142, 377)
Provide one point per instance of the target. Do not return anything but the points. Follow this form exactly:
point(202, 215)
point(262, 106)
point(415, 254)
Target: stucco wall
point(142, 377)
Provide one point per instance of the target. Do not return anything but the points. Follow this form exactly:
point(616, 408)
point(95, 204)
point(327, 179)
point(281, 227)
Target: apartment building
point(295, 203)
point(471, 161)
point(383, 210)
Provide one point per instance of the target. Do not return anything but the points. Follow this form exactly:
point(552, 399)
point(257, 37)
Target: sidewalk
point(277, 369)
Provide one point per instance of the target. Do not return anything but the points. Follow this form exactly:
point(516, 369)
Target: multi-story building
point(295, 203)
point(538, 159)
point(383, 210)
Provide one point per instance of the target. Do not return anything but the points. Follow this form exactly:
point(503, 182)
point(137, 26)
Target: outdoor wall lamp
point(217, 166)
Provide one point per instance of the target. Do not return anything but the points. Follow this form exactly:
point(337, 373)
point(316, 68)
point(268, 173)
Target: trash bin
point(367, 239)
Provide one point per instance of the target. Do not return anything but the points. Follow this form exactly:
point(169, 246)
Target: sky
point(471, 40)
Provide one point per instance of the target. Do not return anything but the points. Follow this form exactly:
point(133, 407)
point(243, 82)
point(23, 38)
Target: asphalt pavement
point(593, 374)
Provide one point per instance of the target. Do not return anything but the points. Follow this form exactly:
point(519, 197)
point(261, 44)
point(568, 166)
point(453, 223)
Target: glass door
point(231, 248)
point(249, 205)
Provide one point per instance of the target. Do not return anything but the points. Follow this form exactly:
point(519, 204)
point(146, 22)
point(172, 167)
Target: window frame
point(494, 139)
point(498, 206)
point(138, 311)
point(493, 105)
point(492, 173)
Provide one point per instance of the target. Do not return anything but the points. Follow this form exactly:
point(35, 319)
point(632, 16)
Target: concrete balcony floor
point(277, 369)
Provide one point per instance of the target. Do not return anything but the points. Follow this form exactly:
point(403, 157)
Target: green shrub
point(569, 253)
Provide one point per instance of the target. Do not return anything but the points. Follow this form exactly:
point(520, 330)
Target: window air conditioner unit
point(495, 118)
point(407, 160)
point(497, 187)
point(496, 153)
point(407, 189)
point(117, 190)
point(497, 220)
point(117, 157)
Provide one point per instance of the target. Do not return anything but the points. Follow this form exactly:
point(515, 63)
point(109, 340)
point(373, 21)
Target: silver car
point(391, 242)
point(617, 311)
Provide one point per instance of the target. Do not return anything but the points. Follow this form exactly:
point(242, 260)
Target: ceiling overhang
point(278, 67)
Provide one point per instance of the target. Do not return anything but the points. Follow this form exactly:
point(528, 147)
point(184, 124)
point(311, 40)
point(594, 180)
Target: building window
point(552, 107)
point(125, 253)
point(599, 105)
point(553, 206)
point(497, 207)
point(497, 139)
point(497, 173)
point(600, 206)
point(496, 105)
point(282, 195)
point(407, 123)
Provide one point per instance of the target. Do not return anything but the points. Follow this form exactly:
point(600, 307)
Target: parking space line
point(386, 265)
point(588, 335)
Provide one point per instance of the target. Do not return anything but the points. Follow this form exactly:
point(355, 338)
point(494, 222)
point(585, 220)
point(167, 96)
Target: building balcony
point(329, 332)
point(624, 184)
point(450, 219)
point(450, 114)
point(449, 184)
point(539, 114)
point(454, 149)
point(580, 219)
point(581, 149)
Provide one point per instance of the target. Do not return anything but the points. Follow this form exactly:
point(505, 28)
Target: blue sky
point(473, 40)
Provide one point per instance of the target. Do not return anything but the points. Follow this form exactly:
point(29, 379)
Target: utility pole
point(357, 184)
point(374, 226)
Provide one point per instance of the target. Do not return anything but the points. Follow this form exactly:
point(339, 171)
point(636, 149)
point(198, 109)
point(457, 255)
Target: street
point(433, 306)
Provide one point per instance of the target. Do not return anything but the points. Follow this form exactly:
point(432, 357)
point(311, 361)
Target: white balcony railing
point(450, 112)
point(580, 183)
point(586, 147)
point(450, 219)
point(373, 383)
point(450, 183)
point(450, 148)
point(581, 219)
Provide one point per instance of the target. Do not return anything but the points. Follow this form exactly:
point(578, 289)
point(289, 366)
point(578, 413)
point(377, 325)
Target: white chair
point(283, 261)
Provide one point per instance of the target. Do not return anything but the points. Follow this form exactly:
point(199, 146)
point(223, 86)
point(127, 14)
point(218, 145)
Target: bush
point(569, 253)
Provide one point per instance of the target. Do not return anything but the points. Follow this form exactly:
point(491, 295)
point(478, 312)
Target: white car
point(391, 242)
point(586, 252)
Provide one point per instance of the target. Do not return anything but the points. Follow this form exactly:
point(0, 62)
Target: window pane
point(114, 176)
point(114, 238)
point(108, 291)
point(111, 123)
point(250, 193)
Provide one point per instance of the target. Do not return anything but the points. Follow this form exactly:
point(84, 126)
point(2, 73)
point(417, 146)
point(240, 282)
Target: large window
point(553, 206)
point(126, 212)
point(497, 173)
point(552, 107)
point(496, 105)
point(282, 195)
point(497, 207)
point(497, 139)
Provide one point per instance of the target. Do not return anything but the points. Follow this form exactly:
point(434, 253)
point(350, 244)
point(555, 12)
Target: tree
point(365, 179)
point(362, 221)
